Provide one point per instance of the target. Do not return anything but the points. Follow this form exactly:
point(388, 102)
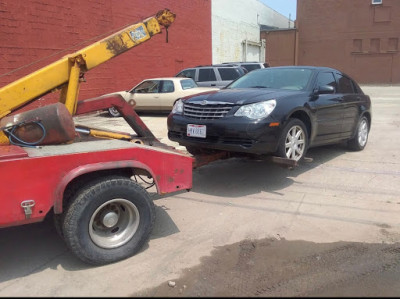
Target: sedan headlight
point(178, 107)
point(257, 110)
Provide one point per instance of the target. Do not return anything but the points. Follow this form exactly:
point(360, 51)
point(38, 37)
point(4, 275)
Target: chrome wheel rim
point(114, 223)
point(363, 132)
point(295, 143)
point(113, 111)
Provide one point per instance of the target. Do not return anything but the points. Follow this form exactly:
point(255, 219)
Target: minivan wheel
point(293, 142)
point(359, 141)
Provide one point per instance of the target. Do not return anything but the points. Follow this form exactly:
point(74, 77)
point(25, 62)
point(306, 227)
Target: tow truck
point(93, 182)
point(88, 179)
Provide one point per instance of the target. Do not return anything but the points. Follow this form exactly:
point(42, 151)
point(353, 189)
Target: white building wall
point(235, 21)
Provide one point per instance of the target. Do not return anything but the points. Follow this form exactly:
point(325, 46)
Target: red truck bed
point(41, 174)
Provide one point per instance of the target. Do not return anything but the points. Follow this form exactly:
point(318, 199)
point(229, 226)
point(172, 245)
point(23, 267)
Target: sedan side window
point(326, 79)
point(167, 86)
point(345, 84)
point(150, 86)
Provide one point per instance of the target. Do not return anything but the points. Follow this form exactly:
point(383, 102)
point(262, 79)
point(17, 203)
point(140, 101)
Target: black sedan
point(280, 111)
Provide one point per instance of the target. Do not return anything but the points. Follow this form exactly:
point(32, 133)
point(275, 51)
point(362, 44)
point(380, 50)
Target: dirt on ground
point(281, 268)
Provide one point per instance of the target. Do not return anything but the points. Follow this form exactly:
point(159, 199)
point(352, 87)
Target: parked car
point(213, 75)
point(250, 66)
point(159, 94)
point(278, 110)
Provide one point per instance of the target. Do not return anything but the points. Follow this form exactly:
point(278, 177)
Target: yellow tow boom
point(65, 73)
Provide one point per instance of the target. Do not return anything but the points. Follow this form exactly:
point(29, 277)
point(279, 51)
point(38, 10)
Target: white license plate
point(196, 131)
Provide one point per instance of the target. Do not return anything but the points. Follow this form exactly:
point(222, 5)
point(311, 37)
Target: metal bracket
point(27, 205)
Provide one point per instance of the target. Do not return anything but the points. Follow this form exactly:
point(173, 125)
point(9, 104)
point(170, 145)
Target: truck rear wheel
point(109, 220)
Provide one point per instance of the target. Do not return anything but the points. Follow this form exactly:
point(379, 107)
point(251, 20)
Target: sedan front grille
point(207, 111)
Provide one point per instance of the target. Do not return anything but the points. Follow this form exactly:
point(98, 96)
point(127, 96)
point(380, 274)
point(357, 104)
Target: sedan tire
point(293, 142)
point(359, 141)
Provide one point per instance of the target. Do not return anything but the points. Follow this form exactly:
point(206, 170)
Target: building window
point(375, 45)
point(357, 45)
point(376, 1)
point(382, 13)
point(393, 44)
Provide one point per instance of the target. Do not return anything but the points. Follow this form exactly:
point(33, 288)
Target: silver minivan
point(213, 75)
point(249, 66)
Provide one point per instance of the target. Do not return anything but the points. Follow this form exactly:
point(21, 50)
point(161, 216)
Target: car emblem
point(203, 103)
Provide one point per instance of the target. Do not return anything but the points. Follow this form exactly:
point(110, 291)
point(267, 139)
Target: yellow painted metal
point(73, 88)
point(3, 138)
point(110, 135)
point(59, 73)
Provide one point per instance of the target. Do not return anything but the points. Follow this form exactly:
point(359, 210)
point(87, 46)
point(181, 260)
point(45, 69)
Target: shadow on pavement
point(237, 177)
point(33, 248)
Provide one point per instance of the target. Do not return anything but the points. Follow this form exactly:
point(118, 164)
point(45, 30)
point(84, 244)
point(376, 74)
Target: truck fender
point(88, 168)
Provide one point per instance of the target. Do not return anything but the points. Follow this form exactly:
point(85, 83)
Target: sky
point(284, 7)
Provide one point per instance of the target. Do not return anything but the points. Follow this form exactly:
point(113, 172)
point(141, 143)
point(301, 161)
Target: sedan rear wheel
point(294, 140)
point(361, 137)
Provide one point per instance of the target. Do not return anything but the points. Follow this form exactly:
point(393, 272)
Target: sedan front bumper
point(230, 133)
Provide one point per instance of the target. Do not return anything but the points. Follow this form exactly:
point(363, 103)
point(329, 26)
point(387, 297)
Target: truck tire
point(108, 220)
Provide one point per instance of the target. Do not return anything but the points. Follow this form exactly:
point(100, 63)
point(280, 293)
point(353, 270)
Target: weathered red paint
point(43, 178)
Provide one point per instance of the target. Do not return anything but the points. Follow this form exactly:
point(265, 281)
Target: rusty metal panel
point(58, 125)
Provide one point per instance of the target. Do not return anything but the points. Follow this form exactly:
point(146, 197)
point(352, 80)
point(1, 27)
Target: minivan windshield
point(276, 78)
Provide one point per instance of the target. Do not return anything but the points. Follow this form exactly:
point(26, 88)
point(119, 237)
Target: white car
point(159, 94)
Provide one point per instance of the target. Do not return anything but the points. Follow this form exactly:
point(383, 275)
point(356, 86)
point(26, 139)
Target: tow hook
point(27, 205)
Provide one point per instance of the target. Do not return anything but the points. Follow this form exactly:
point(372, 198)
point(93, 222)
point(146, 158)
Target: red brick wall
point(354, 36)
point(32, 30)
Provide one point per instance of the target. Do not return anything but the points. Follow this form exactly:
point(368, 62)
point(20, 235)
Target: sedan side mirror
point(326, 89)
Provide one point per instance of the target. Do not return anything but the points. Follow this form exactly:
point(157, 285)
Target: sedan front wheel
point(294, 140)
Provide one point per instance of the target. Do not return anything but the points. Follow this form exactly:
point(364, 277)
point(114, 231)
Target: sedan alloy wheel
point(293, 143)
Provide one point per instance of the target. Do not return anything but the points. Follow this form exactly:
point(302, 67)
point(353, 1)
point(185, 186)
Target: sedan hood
point(243, 96)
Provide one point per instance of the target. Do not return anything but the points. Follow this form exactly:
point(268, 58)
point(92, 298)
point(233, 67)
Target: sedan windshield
point(277, 78)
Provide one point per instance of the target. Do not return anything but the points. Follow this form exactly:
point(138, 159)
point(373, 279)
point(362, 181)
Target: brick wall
point(354, 36)
point(43, 31)
point(280, 46)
